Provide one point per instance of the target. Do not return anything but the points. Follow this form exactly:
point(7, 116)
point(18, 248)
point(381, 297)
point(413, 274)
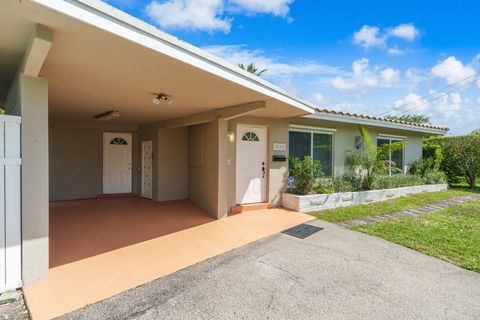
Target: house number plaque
point(279, 146)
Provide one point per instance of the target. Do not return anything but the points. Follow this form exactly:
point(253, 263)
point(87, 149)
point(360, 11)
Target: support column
point(222, 203)
point(28, 98)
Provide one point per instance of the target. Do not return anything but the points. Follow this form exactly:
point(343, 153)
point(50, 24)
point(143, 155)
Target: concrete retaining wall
point(318, 202)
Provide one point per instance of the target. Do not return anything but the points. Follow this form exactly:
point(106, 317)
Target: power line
point(439, 95)
point(426, 96)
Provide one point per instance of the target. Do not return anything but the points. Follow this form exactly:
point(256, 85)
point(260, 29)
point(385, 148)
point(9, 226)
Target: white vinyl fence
point(10, 203)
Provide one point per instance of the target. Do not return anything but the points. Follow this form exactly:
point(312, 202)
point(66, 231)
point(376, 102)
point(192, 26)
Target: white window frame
point(393, 138)
point(312, 130)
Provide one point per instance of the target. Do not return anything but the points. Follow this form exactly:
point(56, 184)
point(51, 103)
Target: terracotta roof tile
point(357, 115)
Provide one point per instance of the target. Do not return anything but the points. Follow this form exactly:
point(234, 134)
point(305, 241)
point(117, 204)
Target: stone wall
point(318, 202)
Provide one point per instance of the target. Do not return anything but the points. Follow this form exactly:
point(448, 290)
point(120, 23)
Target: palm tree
point(371, 159)
point(252, 69)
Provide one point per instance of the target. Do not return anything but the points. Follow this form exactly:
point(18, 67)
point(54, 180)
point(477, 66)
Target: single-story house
point(110, 105)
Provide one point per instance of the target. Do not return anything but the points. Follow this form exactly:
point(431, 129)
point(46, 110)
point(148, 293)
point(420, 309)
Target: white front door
point(117, 163)
point(251, 164)
point(147, 153)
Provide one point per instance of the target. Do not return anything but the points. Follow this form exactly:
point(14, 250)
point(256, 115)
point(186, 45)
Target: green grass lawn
point(390, 206)
point(452, 234)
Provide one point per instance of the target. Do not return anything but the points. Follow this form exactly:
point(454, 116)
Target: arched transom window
point(250, 136)
point(119, 141)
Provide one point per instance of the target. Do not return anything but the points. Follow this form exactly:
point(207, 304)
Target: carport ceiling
point(91, 71)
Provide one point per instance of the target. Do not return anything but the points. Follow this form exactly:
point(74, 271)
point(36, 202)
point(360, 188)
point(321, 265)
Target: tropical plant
point(371, 160)
point(412, 118)
point(252, 69)
point(305, 175)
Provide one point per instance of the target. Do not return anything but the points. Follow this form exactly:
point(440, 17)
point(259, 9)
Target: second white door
point(117, 163)
point(251, 164)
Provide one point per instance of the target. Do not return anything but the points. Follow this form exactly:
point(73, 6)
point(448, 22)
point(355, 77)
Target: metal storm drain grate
point(302, 231)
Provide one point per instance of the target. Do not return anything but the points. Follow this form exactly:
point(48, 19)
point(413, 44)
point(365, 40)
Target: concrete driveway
point(334, 274)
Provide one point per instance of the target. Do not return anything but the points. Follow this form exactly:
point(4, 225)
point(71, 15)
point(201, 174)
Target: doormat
point(302, 231)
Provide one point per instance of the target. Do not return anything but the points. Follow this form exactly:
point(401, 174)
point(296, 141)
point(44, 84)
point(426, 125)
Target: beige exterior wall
point(76, 158)
point(28, 97)
point(203, 166)
point(172, 164)
point(208, 174)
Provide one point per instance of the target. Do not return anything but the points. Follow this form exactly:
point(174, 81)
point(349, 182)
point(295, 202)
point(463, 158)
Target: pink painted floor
point(103, 247)
point(86, 228)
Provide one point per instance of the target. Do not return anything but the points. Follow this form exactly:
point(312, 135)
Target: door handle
point(263, 170)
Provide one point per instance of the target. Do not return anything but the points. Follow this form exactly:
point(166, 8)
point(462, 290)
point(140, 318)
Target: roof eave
point(377, 123)
point(110, 19)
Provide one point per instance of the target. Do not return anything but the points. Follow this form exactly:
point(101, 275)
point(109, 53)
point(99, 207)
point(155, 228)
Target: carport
point(128, 150)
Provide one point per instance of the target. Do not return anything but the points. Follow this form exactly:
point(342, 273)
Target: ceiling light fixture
point(162, 97)
point(109, 115)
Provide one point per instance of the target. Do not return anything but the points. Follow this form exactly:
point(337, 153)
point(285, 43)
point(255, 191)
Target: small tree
point(371, 160)
point(462, 157)
point(304, 175)
point(252, 69)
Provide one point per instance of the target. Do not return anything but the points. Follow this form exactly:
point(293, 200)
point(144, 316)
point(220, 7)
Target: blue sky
point(372, 57)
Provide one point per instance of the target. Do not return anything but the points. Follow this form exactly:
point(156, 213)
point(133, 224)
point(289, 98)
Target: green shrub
point(304, 175)
point(435, 177)
point(420, 167)
point(461, 158)
point(323, 186)
point(397, 181)
point(346, 183)
point(433, 155)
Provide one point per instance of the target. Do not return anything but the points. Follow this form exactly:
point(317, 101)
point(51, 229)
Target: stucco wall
point(202, 165)
point(277, 132)
point(172, 162)
point(28, 97)
point(207, 179)
point(76, 159)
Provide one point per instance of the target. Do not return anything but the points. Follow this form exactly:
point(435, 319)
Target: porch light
point(161, 97)
point(230, 136)
point(109, 115)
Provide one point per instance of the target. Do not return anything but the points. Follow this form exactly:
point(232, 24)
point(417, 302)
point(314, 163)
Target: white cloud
point(452, 70)
point(441, 105)
point(478, 101)
point(390, 75)
point(275, 7)
point(350, 107)
point(342, 84)
point(416, 76)
point(364, 76)
point(318, 97)
point(413, 102)
point(395, 51)
point(374, 37)
point(209, 15)
point(405, 31)
point(368, 37)
point(242, 54)
point(205, 15)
